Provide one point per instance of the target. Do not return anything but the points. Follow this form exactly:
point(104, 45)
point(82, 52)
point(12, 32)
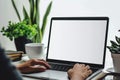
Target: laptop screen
point(81, 39)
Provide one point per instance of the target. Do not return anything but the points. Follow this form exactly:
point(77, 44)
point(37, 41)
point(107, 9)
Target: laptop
point(75, 40)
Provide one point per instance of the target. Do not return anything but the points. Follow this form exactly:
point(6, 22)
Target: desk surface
point(107, 65)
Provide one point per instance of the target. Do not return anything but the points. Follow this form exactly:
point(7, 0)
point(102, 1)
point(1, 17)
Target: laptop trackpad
point(50, 75)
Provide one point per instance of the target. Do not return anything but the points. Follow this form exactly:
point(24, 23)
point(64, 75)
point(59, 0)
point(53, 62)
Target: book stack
point(14, 55)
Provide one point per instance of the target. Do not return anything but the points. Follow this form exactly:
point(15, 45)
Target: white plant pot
point(116, 62)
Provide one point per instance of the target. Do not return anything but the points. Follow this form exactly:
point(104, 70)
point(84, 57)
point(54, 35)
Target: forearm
point(7, 70)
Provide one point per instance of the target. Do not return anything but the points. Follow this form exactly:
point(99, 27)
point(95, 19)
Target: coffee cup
point(34, 50)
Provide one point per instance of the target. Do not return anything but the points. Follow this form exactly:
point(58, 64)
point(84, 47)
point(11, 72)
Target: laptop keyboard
point(94, 70)
point(60, 67)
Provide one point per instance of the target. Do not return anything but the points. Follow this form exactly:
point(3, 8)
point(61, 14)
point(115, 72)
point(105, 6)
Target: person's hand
point(33, 65)
point(79, 72)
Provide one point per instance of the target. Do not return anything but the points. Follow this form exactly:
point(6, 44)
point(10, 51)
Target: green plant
point(34, 18)
point(15, 30)
point(115, 46)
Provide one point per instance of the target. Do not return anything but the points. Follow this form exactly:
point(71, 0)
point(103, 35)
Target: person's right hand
point(33, 65)
point(79, 72)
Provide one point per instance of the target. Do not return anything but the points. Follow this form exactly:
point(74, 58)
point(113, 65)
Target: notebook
point(75, 40)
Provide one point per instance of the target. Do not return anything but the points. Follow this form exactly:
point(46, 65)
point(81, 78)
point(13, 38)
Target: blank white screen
point(78, 40)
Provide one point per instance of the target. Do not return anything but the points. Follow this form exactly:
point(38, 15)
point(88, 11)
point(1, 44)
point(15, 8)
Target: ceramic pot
point(20, 43)
point(116, 62)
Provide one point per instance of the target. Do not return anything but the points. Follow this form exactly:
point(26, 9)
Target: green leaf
point(15, 30)
point(36, 20)
point(36, 12)
point(114, 44)
point(26, 16)
point(117, 39)
point(45, 18)
point(33, 17)
point(112, 49)
point(31, 2)
point(16, 10)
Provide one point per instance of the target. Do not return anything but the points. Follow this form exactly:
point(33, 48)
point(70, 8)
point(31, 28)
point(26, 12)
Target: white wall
point(6, 14)
point(76, 8)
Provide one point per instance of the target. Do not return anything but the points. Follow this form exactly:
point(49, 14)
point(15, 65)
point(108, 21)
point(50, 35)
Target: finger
point(88, 67)
point(83, 65)
point(70, 72)
point(90, 71)
point(87, 73)
point(41, 59)
point(76, 65)
point(38, 68)
point(44, 63)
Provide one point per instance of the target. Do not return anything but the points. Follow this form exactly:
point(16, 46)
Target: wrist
point(76, 77)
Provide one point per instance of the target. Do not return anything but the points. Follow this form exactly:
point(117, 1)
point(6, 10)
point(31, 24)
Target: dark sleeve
point(7, 70)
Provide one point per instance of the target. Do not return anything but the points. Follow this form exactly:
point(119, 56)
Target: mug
point(34, 50)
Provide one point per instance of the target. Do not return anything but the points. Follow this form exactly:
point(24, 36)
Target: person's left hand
point(33, 65)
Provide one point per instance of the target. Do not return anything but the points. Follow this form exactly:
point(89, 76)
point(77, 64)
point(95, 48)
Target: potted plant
point(21, 32)
point(115, 53)
point(33, 17)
